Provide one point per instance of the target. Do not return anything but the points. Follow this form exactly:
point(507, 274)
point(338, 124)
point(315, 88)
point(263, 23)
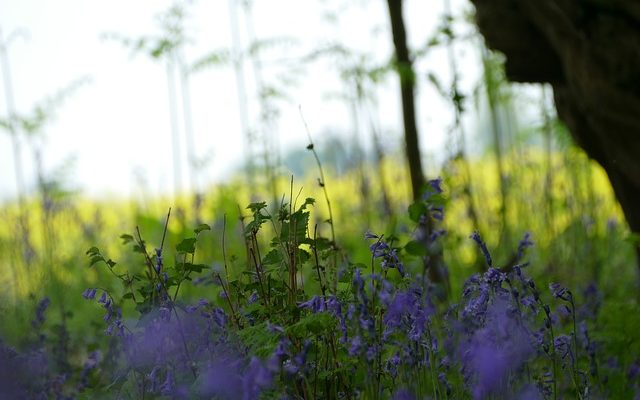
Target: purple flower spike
point(370, 235)
point(315, 304)
point(89, 294)
point(483, 247)
point(560, 292)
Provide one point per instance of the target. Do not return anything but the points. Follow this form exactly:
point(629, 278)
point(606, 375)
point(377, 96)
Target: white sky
point(119, 122)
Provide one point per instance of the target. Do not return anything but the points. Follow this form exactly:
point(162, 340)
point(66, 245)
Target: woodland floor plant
point(279, 326)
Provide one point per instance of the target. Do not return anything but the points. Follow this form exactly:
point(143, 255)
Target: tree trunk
point(589, 51)
point(406, 74)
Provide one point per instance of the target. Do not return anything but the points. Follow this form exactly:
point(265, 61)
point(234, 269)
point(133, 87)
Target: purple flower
point(356, 346)
point(378, 249)
point(634, 371)
point(316, 304)
point(369, 235)
point(560, 292)
point(403, 394)
point(158, 265)
point(168, 386)
point(495, 351)
point(562, 344)
point(255, 379)
point(253, 298)
point(494, 277)
point(524, 243)
point(483, 247)
point(89, 293)
point(40, 310)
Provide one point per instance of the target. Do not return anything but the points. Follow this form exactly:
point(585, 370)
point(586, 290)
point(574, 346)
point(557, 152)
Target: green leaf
point(202, 227)
point(110, 263)
point(187, 246)
point(274, 257)
point(126, 238)
point(92, 251)
point(416, 210)
point(95, 259)
point(256, 207)
point(415, 248)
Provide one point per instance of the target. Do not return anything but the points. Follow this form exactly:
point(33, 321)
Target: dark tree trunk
point(433, 264)
point(406, 74)
point(589, 51)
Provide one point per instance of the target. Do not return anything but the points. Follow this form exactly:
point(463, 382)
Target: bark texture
point(589, 51)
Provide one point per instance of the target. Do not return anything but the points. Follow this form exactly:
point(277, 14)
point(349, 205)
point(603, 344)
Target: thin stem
point(323, 185)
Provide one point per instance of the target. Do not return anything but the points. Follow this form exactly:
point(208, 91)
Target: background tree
point(404, 66)
point(589, 51)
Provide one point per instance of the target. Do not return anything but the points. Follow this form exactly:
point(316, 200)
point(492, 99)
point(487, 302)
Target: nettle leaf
point(256, 207)
point(415, 248)
point(126, 238)
point(303, 256)
point(296, 229)
point(93, 251)
point(95, 259)
point(309, 201)
point(416, 210)
point(187, 246)
point(274, 257)
point(202, 227)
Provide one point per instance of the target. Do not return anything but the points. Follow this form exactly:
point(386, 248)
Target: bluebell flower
point(356, 346)
point(256, 378)
point(253, 298)
point(89, 293)
point(369, 235)
point(40, 310)
point(316, 304)
point(378, 249)
point(158, 265)
point(483, 247)
point(524, 243)
point(560, 292)
point(562, 345)
point(495, 351)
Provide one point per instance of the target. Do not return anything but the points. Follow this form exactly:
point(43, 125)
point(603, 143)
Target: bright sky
point(117, 126)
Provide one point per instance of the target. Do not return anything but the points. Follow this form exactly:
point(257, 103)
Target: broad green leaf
point(187, 246)
point(202, 227)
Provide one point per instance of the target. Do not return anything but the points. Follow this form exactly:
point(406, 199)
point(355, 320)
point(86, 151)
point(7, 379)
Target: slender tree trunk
point(434, 266)
point(404, 67)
